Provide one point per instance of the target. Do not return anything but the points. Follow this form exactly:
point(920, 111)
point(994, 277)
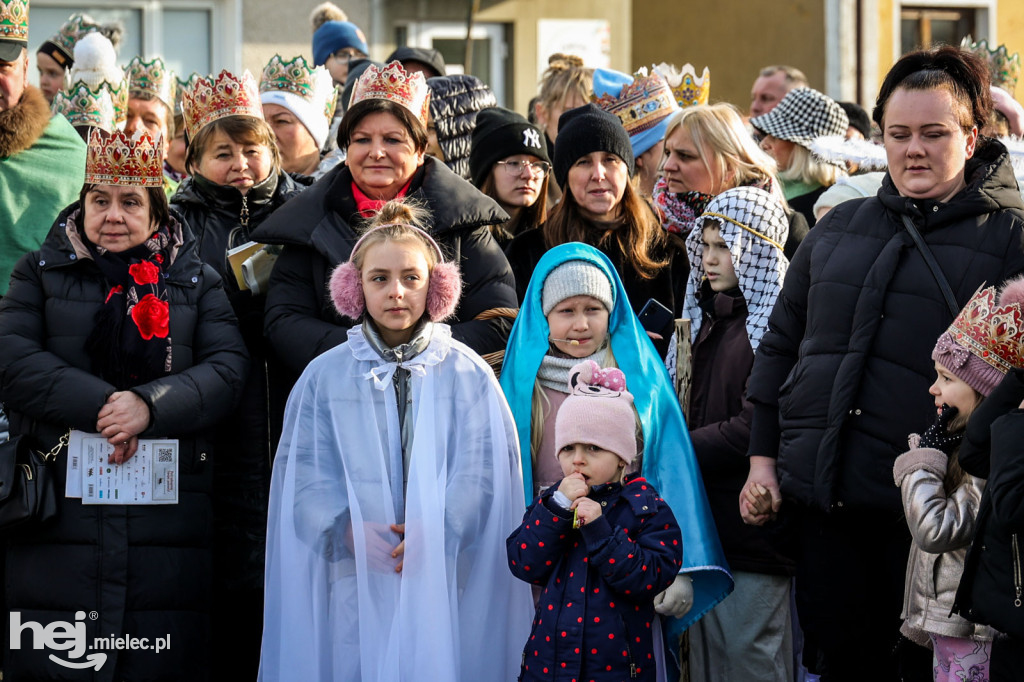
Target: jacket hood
point(454, 205)
point(58, 249)
point(991, 186)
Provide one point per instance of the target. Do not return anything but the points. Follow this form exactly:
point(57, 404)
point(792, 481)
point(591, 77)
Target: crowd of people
point(632, 386)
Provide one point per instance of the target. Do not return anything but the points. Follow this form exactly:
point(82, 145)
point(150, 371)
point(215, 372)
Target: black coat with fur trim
point(319, 228)
point(145, 570)
point(842, 374)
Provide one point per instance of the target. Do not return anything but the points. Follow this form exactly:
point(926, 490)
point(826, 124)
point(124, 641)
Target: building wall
point(733, 38)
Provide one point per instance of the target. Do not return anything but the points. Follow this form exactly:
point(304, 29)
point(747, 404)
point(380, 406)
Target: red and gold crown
point(687, 87)
point(1003, 67)
point(207, 99)
point(14, 20)
point(83, 106)
point(642, 104)
point(122, 159)
point(151, 78)
point(393, 83)
point(992, 333)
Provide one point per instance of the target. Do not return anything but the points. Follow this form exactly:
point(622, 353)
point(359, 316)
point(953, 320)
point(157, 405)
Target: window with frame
point(924, 27)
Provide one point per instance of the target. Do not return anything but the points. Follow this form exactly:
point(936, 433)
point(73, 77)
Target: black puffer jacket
point(319, 229)
point(145, 570)
point(989, 586)
point(842, 375)
point(454, 104)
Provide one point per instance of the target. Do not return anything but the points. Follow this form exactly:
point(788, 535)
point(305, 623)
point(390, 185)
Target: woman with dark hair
point(600, 206)
point(384, 132)
point(842, 373)
point(114, 326)
point(508, 161)
point(235, 181)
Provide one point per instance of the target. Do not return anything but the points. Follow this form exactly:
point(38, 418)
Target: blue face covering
point(668, 460)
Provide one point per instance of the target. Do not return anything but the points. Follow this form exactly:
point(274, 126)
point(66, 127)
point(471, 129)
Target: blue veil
point(668, 461)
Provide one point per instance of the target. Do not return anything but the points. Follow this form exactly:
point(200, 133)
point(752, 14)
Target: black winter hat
point(500, 133)
point(423, 55)
point(858, 118)
point(585, 130)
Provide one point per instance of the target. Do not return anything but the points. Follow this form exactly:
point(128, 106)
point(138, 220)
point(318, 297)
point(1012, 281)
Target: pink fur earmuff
point(443, 290)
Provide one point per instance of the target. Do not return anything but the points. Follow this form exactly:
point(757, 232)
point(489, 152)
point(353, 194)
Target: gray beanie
point(576, 278)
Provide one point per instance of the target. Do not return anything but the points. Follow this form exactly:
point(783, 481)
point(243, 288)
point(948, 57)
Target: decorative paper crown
point(83, 106)
point(151, 78)
point(312, 83)
point(179, 90)
point(1003, 67)
point(122, 159)
point(207, 99)
point(14, 20)
point(393, 83)
point(687, 88)
point(72, 31)
point(994, 334)
point(642, 104)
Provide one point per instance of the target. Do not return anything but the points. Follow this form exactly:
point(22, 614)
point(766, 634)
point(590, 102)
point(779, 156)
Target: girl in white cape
point(396, 482)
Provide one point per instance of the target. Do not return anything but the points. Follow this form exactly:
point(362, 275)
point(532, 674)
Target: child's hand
point(574, 486)
point(586, 510)
point(399, 551)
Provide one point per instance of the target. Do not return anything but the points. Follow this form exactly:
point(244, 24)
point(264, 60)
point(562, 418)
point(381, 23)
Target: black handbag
point(28, 491)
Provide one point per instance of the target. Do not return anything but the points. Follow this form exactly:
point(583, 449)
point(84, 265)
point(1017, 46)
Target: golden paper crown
point(151, 78)
point(83, 106)
point(687, 88)
point(995, 334)
point(122, 159)
point(1003, 67)
point(393, 83)
point(298, 77)
point(179, 90)
point(642, 104)
point(14, 20)
point(72, 31)
point(207, 99)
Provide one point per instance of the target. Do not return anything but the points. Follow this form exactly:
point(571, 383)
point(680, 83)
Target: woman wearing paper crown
point(115, 327)
point(298, 103)
point(384, 131)
point(842, 372)
point(236, 182)
point(56, 55)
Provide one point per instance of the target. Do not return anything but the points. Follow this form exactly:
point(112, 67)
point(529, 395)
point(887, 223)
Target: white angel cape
point(335, 607)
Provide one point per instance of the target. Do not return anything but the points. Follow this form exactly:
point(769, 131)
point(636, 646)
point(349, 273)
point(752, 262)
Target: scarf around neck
point(368, 207)
point(554, 370)
point(130, 343)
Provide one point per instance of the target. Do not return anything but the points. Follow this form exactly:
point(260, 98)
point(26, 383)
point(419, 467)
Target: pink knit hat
point(986, 339)
point(598, 411)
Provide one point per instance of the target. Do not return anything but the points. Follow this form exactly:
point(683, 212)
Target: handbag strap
point(52, 454)
point(926, 253)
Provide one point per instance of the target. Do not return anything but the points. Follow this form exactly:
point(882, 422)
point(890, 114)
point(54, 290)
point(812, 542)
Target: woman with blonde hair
point(707, 151)
point(566, 84)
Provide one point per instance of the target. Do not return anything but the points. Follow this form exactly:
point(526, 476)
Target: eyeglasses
point(515, 168)
point(347, 54)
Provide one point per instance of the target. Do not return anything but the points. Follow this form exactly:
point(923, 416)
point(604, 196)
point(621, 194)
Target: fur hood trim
point(24, 123)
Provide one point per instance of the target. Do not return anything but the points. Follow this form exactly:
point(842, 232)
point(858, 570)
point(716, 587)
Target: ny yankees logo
point(531, 138)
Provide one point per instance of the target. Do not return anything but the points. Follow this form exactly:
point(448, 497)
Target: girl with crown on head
point(395, 484)
point(235, 183)
point(940, 500)
point(385, 136)
point(115, 326)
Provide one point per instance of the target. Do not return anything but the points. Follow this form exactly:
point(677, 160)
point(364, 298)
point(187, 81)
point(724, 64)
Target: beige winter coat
point(942, 527)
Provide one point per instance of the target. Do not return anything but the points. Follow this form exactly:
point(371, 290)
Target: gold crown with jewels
point(393, 83)
point(991, 332)
point(72, 31)
point(83, 106)
point(1003, 67)
point(14, 20)
point(122, 159)
point(687, 87)
point(312, 83)
point(642, 104)
point(151, 78)
point(207, 99)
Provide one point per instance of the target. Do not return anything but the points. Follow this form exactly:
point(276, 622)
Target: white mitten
point(677, 600)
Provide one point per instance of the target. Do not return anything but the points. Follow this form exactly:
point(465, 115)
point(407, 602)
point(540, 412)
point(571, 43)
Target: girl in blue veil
point(668, 459)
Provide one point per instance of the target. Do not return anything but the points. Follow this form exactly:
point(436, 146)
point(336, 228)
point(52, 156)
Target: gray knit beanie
point(576, 278)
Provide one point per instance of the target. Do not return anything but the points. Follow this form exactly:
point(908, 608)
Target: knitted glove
point(677, 599)
point(937, 437)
